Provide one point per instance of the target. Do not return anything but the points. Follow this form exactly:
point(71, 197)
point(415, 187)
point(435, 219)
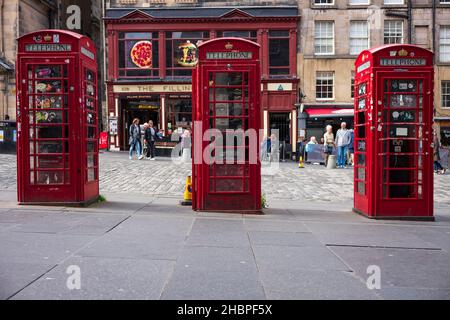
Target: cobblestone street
point(164, 178)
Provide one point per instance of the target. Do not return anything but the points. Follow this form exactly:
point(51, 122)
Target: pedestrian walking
point(150, 139)
point(135, 139)
point(436, 156)
point(351, 148)
point(342, 142)
point(328, 139)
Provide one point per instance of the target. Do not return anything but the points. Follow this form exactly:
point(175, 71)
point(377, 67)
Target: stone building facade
point(18, 17)
point(162, 93)
point(333, 32)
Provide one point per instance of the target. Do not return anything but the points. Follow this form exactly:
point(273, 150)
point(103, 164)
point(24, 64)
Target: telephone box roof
point(66, 32)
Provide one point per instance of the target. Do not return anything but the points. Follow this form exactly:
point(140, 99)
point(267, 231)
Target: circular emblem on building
point(188, 53)
point(141, 54)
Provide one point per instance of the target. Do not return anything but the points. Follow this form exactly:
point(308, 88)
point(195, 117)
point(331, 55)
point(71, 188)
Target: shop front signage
point(153, 88)
point(113, 126)
point(279, 86)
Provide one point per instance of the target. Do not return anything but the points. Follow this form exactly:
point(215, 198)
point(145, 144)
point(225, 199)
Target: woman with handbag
point(135, 139)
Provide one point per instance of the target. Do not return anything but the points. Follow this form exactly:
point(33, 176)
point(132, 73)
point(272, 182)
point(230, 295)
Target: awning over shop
point(5, 66)
point(329, 112)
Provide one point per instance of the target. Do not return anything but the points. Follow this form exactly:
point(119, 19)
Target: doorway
point(143, 110)
point(281, 122)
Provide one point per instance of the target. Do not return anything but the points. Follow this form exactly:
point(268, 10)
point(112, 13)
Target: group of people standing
point(343, 141)
point(150, 136)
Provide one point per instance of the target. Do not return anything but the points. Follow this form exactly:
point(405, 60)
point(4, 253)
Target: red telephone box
point(227, 118)
point(393, 133)
point(57, 118)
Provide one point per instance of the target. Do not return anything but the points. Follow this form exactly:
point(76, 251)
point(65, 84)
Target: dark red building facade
point(151, 57)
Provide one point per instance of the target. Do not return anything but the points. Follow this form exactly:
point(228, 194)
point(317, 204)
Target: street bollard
point(187, 196)
point(300, 162)
point(331, 164)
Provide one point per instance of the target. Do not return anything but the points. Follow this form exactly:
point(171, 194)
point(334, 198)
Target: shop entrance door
point(144, 115)
point(280, 122)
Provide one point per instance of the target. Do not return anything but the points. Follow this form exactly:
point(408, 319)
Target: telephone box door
point(404, 137)
point(232, 172)
point(47, 124)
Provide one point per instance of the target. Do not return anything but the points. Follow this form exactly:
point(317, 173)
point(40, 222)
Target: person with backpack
point(135, 139)
point(150, 139)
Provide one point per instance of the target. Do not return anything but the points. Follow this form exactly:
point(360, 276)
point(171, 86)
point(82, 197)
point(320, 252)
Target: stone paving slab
point(290, 258)
point(368, 235)
point(414, 294)
point(218, 233)
point(14, 276)
point(219, 259)
point(281, 225)
point(277, 238)
point(315, 285)
point(212, 285)
point(103, 278)
point(142, 238)
point(38, 248)
point(96, 224)
point(401, 268)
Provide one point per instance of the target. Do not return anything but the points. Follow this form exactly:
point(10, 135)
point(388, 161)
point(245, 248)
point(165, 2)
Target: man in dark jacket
point(150, 138)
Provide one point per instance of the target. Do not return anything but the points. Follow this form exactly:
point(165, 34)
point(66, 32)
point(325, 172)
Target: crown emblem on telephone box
point(403, 53)
point(229, 46)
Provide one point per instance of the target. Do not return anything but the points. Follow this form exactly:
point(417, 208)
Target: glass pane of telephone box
point(361, 188)
point(401, 115)
point(229, 185)
point(402, 191)
point(228, 170)
point(49, 86)
point(49, 101)
point(50, 177)
point(402, 131)
point(361, 159)
point(361, 146)
point(362, 89)
point(48, 72)
point(403, 85)
point(402, 176)
point(361, 174)
point(403, 101)
point(402, 161)
point(228, 78)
